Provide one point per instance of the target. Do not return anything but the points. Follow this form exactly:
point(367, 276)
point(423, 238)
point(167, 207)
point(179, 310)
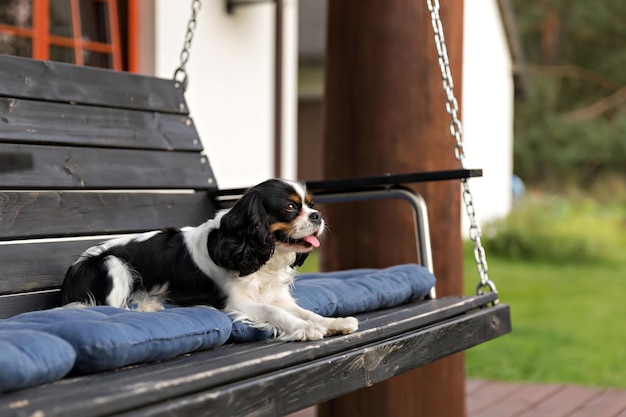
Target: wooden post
point(385, 112)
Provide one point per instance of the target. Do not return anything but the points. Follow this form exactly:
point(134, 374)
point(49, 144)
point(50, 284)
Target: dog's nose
point(315, 218)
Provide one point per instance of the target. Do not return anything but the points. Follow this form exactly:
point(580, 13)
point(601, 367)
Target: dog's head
point(274, 215)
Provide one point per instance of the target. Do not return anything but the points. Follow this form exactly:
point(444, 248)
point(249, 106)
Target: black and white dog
point(241, 261)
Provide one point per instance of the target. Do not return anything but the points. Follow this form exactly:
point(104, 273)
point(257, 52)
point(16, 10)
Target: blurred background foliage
point(559, 257)
point(572, 230)
point(571, 131)
point(570, 135)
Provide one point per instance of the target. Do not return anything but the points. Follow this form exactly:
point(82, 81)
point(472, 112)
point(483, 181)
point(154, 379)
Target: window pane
point(96, 59)
point(94, 19)
point(60, 18)
point(16, 13)
point(15, 45)
point(61, 54)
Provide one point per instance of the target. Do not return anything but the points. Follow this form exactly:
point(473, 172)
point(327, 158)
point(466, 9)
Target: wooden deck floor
point(506, 399)
point(485, 399)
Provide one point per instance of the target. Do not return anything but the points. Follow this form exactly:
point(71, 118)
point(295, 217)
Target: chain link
point(456, 130)
point(180, 74)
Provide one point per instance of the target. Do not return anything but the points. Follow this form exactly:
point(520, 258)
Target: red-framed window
point(82, 32)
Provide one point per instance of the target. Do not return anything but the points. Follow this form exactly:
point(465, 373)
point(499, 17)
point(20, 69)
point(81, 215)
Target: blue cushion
point(107, 337)
point(343, 293)
point(29, 357)
point(104, 338)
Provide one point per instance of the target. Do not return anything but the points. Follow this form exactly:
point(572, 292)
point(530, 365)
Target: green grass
point(568, 323)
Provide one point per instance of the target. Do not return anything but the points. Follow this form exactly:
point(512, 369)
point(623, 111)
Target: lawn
point(568, 324)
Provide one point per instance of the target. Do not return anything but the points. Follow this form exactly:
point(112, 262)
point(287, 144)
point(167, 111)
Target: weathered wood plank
point(11, 305)
point(35, 267)
point(64, 167)
point(55, 81)
point(26, 121)
point(31, 214)
point(294, 387)
point(40, 265)
point(204, 371)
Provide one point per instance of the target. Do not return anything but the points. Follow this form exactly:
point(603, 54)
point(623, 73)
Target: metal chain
point(456, 130)
point(180, 74)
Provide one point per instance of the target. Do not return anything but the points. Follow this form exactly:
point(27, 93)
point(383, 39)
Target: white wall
point(487, 109)
point(231, 91)
point(231, 87)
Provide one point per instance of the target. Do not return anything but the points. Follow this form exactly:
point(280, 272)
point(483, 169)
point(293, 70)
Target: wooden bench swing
point(86, 154)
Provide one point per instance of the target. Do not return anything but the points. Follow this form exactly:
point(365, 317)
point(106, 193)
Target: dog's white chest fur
point(269, 284)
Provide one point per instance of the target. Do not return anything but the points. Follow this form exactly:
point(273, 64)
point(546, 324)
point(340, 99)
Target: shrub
point(556, 229)
point(552, 151)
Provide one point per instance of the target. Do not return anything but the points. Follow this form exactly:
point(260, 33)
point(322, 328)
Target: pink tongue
point(312, 240)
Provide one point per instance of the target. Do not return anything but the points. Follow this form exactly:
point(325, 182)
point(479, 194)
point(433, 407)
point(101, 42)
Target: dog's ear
point(243, 241)
point(300, 258)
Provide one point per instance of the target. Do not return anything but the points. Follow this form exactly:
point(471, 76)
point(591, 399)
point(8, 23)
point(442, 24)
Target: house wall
point(487, 109)
point(231, 82)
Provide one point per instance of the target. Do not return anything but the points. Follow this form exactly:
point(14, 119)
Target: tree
point(573, 125)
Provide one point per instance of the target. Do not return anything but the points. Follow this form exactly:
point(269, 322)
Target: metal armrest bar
point(420, 211)
point(369, 183)
point(388, 180)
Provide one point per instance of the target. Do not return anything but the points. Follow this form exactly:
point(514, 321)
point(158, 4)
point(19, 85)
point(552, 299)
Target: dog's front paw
point(343, 325)
point(310, 331)
point(315, 331)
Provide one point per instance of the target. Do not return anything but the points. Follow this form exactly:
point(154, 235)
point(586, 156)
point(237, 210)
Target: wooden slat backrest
point(24, 213)
point(27, 121)
point(65, 167)
point(86, 154)
point(55, 81)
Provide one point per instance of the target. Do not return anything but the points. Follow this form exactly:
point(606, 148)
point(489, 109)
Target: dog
point(242, 261)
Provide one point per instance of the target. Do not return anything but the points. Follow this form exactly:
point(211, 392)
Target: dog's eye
point(311, 204)
point(291, 208)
